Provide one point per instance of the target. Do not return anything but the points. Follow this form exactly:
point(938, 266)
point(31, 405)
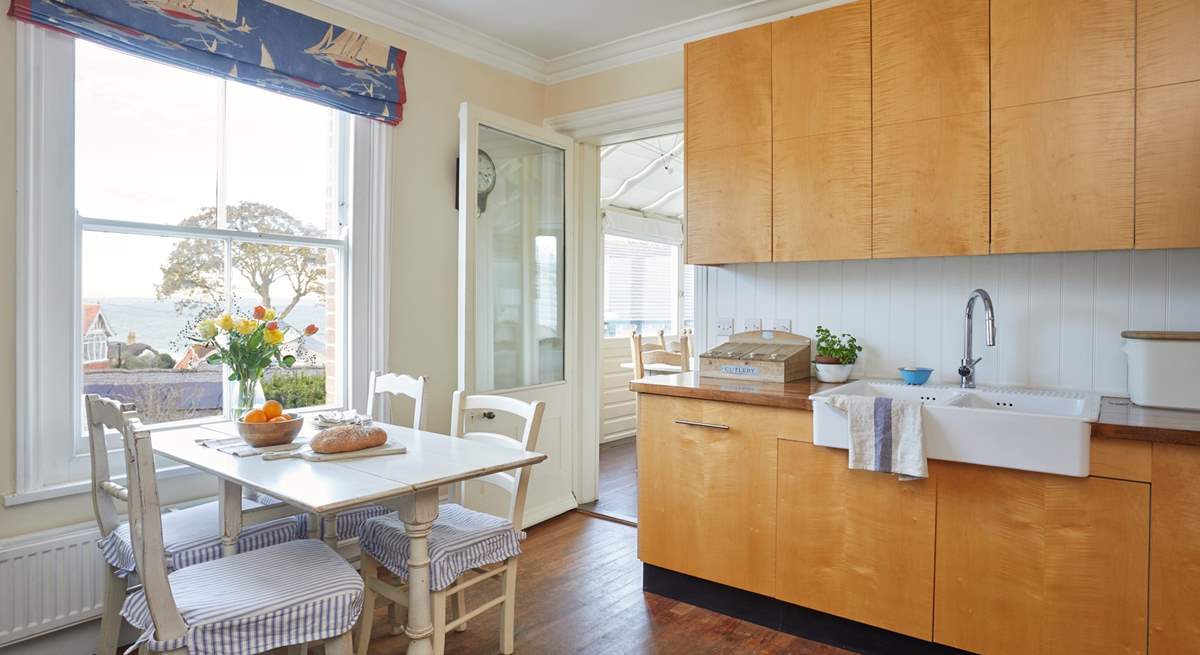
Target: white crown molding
point(427, 26)
point(653, 115)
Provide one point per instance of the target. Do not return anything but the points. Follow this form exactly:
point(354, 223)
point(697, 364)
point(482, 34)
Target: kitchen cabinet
point(822, 197)
point(1168, 166)
point(707, 489)
point(1034, 563)
point(1062, 175)
point(929, 59)
point(1168, 42)
point(854, 543)
point(1175, 551)
point(1052, 50)
point(727, 134)
point(930, 190)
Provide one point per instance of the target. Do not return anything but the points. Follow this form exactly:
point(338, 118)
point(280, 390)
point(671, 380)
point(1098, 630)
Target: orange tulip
point(272, 325)
point(260, 312)
point(310, 330)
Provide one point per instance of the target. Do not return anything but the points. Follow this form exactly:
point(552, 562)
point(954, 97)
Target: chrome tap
point(967, 370)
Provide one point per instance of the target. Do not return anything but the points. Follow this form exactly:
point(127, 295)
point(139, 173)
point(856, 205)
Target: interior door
point(516, 318)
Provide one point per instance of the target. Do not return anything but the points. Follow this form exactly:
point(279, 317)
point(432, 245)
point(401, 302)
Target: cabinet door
point(821, 71)
point(1033, 563)
point(930, 190)
point(1168, 166)
point(1175, 551)
point(1056, 49)
point(1062, 175)
point(1168, 45)
point(929, 59)
point(822, 197)
point(854, 543)
point(729, 204)
point(727, 84)
point(706, 493)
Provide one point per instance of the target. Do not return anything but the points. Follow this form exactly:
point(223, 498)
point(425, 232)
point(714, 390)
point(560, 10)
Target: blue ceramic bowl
point(913, 375)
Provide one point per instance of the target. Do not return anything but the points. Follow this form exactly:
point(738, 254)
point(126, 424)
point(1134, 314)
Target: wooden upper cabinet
point(930, 190)
point(727, 85)
point(822, 197)
point(1041, 564)
point(930, 59)
point(729, 204)
point(821, 71)
point(1168, 42)
point(1055, 49)
point(1062, 175)
point(854, 543)
point(1168, 166)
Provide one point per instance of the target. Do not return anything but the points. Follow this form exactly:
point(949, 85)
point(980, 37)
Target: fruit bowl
point(274, 433)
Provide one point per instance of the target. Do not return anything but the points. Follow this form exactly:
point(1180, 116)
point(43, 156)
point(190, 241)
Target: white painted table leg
point(418, 513)
point(329, 527)
point(229, 502)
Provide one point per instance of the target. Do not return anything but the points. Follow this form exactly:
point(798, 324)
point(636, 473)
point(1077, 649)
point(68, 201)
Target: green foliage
point(295, 390)
point(166, 361)
point(247, 355)
point(148, 359)
point(844, 349)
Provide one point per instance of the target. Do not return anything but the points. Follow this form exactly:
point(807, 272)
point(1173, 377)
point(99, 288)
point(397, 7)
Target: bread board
point(306, 453)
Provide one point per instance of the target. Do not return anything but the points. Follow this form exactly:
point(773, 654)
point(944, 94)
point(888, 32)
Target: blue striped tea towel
point(885, 435)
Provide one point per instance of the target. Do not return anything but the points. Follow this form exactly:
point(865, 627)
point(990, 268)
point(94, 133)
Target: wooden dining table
point(407, 483)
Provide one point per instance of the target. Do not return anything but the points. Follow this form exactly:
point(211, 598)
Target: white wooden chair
point(466, 547)
point(190, 536)
point(643, 356)
point(288, 594)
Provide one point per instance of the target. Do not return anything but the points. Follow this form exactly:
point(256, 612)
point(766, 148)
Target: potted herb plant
point(835, 355)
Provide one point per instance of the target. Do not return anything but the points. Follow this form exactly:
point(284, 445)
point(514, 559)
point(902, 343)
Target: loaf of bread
point(347, 438)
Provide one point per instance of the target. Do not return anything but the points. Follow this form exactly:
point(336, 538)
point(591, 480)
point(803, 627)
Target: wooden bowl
point(261, 435)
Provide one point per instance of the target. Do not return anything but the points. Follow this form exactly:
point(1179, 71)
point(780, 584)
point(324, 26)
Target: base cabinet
point(1031, 563)
point(853, 543)
point(1175, 551)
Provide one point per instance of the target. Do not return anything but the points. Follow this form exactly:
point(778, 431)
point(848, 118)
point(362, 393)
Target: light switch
point(751, 324)
point(724, 327)
point(782, 325)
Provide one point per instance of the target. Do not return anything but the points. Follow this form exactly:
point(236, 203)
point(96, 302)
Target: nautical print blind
point(252, 41)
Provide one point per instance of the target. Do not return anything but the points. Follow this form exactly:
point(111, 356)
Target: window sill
point(85, 486)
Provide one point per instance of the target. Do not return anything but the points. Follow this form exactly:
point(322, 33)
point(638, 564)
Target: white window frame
point(52, 457)
point(654, 234)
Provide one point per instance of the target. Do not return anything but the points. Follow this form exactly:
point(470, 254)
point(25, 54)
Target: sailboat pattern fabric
point(252, 41)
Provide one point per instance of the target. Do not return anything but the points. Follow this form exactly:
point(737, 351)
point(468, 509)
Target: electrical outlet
point(724, 327)
point(782, 325)
point(751, 324)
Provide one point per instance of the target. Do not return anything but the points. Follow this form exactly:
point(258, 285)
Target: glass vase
point(249, 395)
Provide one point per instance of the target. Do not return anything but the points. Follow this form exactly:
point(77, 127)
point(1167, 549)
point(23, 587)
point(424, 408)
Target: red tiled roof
point(90, 311)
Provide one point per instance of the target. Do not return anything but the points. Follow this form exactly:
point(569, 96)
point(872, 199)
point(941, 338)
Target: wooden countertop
point(1119, 418)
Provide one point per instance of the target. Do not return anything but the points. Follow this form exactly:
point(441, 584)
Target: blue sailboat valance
point(252, 41)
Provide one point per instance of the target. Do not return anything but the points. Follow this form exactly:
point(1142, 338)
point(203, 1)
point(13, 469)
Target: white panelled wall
point(1059, 316)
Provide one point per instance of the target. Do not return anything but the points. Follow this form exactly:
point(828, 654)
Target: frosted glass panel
point(521, 267)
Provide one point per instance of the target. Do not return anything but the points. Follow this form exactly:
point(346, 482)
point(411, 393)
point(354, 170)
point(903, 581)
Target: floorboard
point(617, 483)
point(579, 590)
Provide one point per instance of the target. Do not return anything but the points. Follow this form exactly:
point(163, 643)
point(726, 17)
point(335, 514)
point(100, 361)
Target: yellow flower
point(247, 326)
point(225, 322)
point(273, 337)
point(207, 328)
point(269, 315)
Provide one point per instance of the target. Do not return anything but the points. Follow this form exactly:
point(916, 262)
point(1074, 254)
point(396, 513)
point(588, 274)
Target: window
point(645, 289)
point(186, 196)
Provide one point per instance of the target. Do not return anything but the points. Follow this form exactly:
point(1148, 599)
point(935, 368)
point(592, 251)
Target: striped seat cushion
point(193, 535)
point(461, 540)
point(349, 522)
point(278, 596)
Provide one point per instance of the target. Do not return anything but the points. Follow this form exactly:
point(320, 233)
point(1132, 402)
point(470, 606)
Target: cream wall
point(424, 238)
point(625, 83)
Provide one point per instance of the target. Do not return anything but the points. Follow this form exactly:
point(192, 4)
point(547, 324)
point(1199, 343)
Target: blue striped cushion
point(293, 593)
point(348, 522)
point(461, 540)
point(193, 535)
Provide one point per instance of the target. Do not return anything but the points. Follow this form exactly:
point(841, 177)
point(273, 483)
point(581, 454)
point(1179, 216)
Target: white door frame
point(640, 118)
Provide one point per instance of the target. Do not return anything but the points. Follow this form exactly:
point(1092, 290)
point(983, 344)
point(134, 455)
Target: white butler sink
point(1047, 431)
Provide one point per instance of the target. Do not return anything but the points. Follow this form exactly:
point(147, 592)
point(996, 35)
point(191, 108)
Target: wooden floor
point(580, 591)
point(618, 481)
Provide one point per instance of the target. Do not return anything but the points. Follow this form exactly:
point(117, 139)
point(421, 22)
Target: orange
point(254, 416)
point(286, 417)
point(280, 419)
point(272, 408)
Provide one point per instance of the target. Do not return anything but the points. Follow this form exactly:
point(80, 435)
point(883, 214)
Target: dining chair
point(643, 356)
point(466, 547)
point(288, 594)
point(190, 536)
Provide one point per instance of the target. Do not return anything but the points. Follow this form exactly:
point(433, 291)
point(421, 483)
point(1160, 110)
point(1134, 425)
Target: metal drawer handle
point(698, 424)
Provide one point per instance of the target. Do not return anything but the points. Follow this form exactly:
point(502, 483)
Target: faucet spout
point(967, 370)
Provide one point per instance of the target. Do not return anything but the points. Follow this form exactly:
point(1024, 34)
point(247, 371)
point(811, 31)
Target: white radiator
point(49, 580)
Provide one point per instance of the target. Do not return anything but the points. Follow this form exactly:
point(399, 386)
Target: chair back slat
point(399, 384)
point(102, 415)
point(681, 356)
point(515, 484)
point(145, 519)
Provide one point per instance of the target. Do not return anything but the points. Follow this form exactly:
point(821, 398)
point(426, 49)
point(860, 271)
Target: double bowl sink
point(1048, 431)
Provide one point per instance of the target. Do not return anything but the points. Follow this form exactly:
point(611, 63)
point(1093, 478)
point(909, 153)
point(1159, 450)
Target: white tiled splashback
point(1059, 316)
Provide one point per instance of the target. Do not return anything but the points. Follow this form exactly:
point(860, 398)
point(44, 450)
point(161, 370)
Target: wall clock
point(486, 180)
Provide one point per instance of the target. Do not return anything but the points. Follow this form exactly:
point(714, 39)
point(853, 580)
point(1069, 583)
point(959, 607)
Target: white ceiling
point(657, 193)
point(553, 28)
point(550, 41)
